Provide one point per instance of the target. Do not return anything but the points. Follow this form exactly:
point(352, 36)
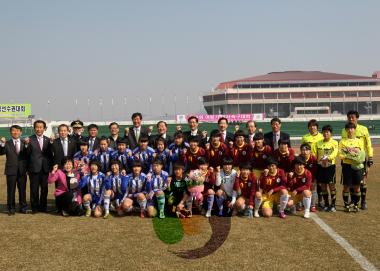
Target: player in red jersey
point(245, 187)
point(272, 190)
point(241, 151)
point(311, 165)
point(284, 155)
point(299, 185)
point(216, 150)
point(260, 153)
point(191, 155)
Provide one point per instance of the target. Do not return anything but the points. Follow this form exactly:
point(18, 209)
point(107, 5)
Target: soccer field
point(52, 242)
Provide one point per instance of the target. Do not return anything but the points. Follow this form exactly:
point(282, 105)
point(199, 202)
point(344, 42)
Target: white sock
point(106, 204)
point(142, 205)
point(257, 203)
point(306, 203)
point(283, 202)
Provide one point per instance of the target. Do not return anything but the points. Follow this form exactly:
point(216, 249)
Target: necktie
point(91, 143)
point(41, 142)
point(275, 141)
point(64, 145)
point(137, 132)
point(223, 137)
point(17, 145)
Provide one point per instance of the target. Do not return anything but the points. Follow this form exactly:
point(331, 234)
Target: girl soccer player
point(119, 186)
point(245, 188)
point(272, 190)
point(96, 194)
point(311, 165)
point(225, 178)
point(162, 153)
point(177, 192)
point(137, 191)
point(82, 158)
point(299, 184)
point(144, 154)
point(103, 154)
point(124, 155)
point(156, 185)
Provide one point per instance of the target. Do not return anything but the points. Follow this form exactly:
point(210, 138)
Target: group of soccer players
point(224, 174)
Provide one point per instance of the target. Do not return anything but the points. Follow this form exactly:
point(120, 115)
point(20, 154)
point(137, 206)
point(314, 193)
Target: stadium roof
point(293, 76)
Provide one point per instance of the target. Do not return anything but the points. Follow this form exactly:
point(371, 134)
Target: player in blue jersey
point(176, 149)
point(144, 154)
point(137, 191)
point(162, 153)
point(119, 186)
point(156, 185)
point(124, 155)
point(103, 154)
point(82, 158)
point(96, 195)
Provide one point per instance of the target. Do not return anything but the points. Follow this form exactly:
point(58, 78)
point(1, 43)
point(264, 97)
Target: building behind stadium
point(292, 93)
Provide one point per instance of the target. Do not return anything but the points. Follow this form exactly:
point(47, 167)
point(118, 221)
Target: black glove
point(370, 161)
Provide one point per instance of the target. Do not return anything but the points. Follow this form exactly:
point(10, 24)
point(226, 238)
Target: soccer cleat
point(256, 214)
point(364, 206)
point(250, 213)
point(88, 213)
point(313, 209)
point(293, 210)
point(355, 209)
point(106, 215)
point(282, 214)
point(332, 209)
point(65, 214)
point(162, 215)
point(320, 206)
point(307, 214)
point(326, 209)
point(208, 214)
point(347, 208)
point(142, 214)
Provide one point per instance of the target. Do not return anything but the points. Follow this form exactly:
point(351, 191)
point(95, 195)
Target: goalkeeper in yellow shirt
point(362, 134)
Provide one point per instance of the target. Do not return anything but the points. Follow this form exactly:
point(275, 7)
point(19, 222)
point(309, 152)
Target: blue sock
point(210, 202)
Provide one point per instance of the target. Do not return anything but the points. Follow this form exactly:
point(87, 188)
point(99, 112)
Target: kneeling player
point(245, 187)
point(272, 190)
point(137, 191)
point(155, 187)
point(225, 178)
point(299, 184)
point(177, 192)
point(96, 193)
point(118, 185)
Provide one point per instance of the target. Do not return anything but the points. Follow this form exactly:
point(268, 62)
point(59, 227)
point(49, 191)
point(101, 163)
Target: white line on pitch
point(354, 253)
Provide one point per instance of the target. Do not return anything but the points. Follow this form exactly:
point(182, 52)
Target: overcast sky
point(129, 51)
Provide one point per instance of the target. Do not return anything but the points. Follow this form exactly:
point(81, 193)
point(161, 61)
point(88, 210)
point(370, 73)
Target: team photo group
point(137, 171)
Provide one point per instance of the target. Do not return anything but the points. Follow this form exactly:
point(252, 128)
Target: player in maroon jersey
point(216, 150)
point(260, 153)
point(272, 190)
point(191, 155)
point(245, 186)
point(284, 155)
point(311, 165)
point(241, 151)
point(299, 185)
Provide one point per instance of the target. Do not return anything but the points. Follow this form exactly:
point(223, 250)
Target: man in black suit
point(162, 129)
point(15, 169)
point(225, 136)
point(193, 123)
point(251, 128)
point(63, 146)
point(77, 126)
point(273, 137)
point(133, 133)
point(93, 139)
point(38, 149)
point(114, 135)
